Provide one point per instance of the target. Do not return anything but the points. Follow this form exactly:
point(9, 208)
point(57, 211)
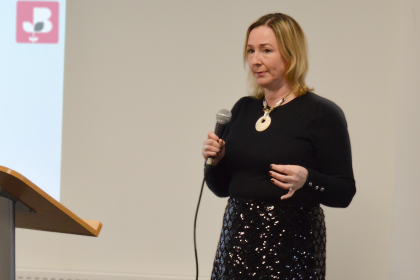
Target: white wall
point(406, 225)
point(143, 81)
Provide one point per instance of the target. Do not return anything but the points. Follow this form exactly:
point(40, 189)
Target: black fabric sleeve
point(218, 177)
point(332, 184)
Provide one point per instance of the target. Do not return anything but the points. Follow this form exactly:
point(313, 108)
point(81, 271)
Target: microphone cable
point(195, 226)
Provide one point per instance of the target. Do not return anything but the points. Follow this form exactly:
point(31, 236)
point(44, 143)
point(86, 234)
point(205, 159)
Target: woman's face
point(264, 58)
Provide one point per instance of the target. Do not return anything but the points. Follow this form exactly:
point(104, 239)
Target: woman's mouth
point(259, 73)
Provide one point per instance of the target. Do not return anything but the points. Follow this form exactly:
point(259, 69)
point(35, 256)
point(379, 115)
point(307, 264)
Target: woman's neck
point(274, 96)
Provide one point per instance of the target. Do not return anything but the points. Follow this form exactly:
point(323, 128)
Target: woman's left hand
point(288, 177)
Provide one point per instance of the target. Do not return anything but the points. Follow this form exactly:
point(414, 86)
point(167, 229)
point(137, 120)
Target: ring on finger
point(205, 147)
point(291, 189)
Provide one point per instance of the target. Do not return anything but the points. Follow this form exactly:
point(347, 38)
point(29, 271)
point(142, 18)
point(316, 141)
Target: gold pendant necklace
point(264, 122)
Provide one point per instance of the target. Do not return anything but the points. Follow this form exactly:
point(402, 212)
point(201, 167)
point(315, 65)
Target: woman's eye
point(266, 51)
point(250, 51)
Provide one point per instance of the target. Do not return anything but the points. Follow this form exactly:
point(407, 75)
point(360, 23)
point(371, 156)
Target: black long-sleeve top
point(309, 131)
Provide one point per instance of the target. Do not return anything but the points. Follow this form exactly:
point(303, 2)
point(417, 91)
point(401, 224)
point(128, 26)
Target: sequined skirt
point(262, 240)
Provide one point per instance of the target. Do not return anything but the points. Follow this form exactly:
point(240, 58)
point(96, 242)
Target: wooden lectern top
point(50, 215)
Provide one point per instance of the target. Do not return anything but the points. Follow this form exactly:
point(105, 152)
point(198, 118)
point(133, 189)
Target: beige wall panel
point(143, 81)
point(406, 226)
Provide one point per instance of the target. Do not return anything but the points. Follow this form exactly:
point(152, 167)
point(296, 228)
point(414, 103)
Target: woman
point(287, 151)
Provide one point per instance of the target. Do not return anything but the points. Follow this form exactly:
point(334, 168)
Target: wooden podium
point(24, 205)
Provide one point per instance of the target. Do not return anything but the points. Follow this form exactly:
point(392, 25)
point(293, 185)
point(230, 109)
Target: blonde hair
point(292, 46)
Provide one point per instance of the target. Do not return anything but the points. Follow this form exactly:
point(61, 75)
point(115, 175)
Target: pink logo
point(37, 22)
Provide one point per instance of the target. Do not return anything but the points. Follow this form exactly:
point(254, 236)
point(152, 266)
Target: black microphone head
point(223, 116)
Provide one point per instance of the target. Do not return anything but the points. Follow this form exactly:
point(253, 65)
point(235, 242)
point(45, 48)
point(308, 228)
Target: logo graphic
point(37, 22)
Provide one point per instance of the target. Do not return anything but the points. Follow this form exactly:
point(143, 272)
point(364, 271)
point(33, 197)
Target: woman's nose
point(256, 58)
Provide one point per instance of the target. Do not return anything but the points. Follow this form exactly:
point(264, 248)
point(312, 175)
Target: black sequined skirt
point(262, 240)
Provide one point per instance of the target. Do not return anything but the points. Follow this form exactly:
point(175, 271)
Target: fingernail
point(272, 180)
point(271, 166)
point(269, 173)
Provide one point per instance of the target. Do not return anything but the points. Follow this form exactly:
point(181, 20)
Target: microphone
point(222, 117)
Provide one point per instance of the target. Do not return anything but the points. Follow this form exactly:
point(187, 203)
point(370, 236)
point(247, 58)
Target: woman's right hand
point(213, 147)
